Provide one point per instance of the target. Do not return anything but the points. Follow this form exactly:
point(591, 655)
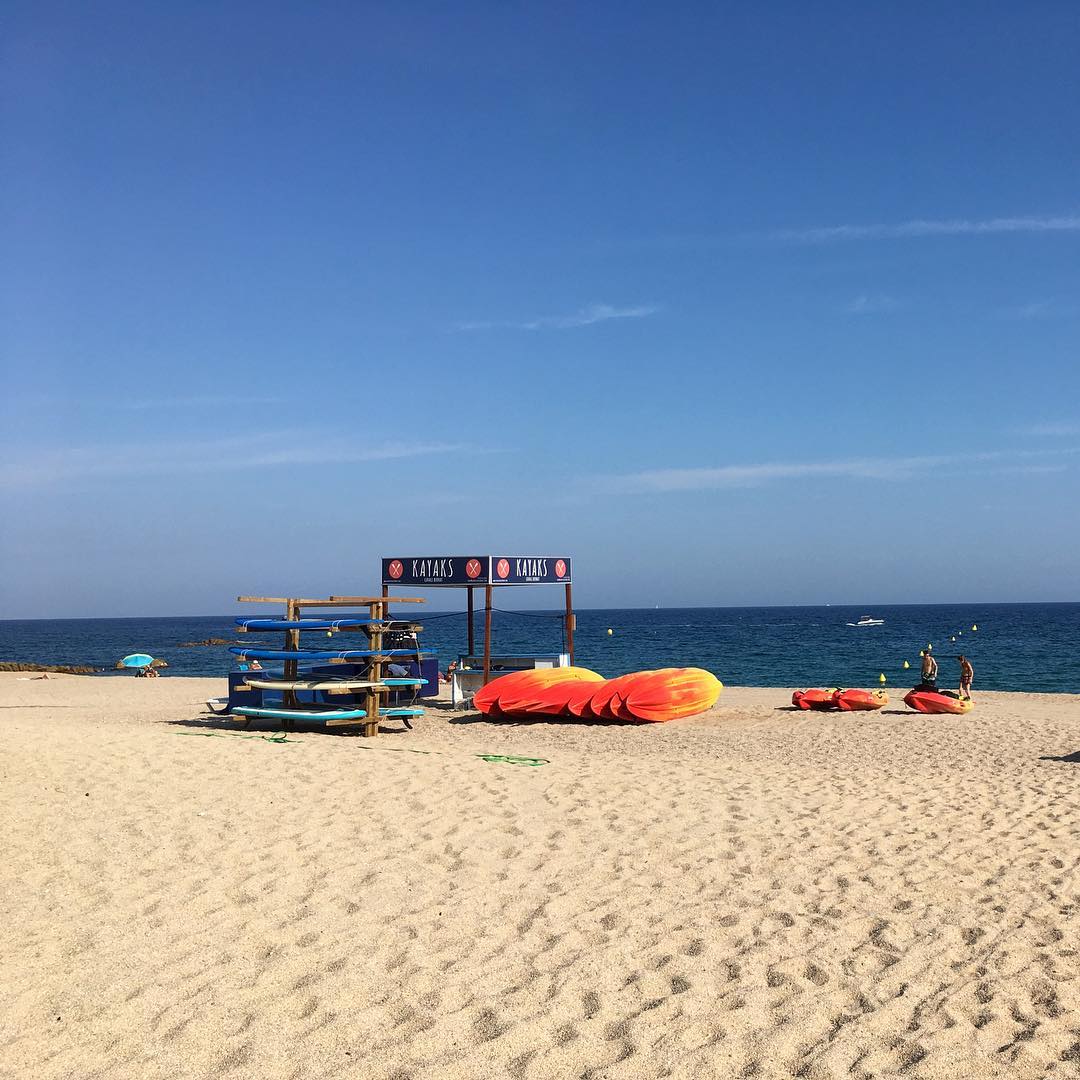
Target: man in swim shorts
point(967, 673)
point(929, 671)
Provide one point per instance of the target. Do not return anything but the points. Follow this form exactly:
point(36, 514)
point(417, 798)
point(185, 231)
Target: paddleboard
point(317, 713)
point(313, 713)
point(329, 684)
point(315, 654)
point(309, 684)
point(324, 624)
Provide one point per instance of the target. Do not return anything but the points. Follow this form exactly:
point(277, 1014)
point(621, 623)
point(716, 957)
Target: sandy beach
point(755, 892)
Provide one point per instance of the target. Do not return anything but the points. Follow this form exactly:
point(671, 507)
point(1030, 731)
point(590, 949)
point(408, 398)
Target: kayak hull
point(820, 700)
point(925, 701)
point(860, 700)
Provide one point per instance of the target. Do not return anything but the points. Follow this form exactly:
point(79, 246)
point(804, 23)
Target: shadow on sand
point(214, 724)
point(539, 718)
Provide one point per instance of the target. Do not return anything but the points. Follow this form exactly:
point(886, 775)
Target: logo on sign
point(473, 568)
point(395, 569)
point(503, 568)
point(560, 568)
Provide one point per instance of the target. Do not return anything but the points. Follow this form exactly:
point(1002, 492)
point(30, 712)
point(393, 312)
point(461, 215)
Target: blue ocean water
point(1031, 647)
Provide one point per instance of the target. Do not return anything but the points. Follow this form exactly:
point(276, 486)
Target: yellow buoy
point(906, 665)
point(974, 627)
point(881, 677)
point(952, 639)
point(928, 646)
point(609, 630)
point(922, 652)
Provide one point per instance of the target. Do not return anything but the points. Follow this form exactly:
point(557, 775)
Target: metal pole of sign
point(472, 636)
point(570, 621)
point(487, 634)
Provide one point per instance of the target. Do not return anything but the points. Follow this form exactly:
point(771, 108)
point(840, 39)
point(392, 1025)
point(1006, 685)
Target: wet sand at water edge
point(756, 892)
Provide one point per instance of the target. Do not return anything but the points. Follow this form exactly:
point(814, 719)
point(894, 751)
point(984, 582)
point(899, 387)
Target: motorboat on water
point(868, 620)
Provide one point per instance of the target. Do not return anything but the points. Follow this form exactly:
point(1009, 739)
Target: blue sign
point(456, 570)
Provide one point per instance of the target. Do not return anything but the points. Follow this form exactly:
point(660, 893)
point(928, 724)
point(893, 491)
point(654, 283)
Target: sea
point(1023, 647)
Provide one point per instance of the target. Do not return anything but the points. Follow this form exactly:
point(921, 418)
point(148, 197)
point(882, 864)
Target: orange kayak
point(579, 701)
point(641, 696)
point(671, 694)
point(554, 698)
point(603, 703)
point(860, 700)
point(514, 692)
point(928, 701)
point(815, 699)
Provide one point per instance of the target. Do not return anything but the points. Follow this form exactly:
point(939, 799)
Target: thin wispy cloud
point(657, 481)
point(265, 451)
point(1063, 428)
point(871, 304)
point(203, 401)
point(586, 316)
point(1036, 309)
point(922, 227)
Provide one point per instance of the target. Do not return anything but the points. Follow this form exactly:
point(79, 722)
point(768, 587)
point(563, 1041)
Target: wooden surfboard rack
point(368, 689)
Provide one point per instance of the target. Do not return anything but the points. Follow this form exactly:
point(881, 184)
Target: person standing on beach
point(967, 673)
point(929, 670)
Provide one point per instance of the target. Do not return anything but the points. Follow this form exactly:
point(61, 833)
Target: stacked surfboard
point(577, 693)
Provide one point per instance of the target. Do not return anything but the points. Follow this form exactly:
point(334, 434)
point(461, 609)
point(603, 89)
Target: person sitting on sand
point(929, 670)
point(448, 677)
point(967, 673)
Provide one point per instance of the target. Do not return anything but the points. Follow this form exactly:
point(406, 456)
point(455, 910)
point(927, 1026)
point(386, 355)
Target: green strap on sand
point(510, 759)
point(282, 737)
point(277, 737)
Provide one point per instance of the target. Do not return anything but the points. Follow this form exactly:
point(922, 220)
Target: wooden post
point(376, 612)
point(472, 636)
point(487, 634)
point(292, 642)
point(570, 621)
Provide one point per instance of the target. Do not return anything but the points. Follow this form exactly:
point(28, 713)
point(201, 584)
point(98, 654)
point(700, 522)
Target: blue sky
point(736, 304)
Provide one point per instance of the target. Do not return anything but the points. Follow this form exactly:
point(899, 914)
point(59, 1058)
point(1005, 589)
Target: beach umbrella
point(136, 660)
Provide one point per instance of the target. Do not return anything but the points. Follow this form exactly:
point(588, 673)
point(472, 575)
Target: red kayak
point(815, 699)
point(929, 701)
point(860, 700)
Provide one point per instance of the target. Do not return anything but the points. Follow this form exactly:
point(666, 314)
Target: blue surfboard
point(271, 713)
point(315, 654)
point(314, 624)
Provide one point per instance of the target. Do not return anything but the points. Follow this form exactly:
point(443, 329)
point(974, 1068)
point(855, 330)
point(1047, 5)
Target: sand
point(755, 892)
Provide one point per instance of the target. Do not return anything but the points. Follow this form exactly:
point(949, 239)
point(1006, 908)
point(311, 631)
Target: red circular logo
point(473, 568)
point(560, 568)
point(395, 569)
point(503, 568)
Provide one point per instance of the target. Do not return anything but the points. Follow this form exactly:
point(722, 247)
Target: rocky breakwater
point(53, 669)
